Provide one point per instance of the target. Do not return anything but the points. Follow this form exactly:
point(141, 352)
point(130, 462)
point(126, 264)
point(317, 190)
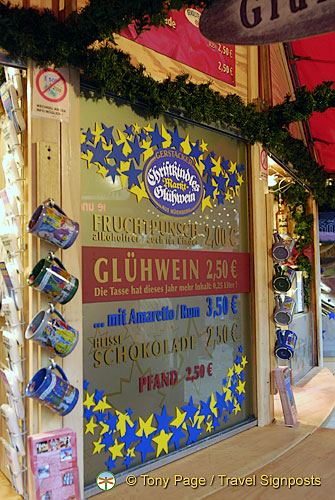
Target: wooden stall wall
point(54, 172)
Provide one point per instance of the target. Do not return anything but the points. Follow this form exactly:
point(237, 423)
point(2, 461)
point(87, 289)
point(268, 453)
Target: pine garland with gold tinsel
point(30, 33)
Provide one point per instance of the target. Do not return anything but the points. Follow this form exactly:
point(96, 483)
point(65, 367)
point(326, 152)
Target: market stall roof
point(314, 60)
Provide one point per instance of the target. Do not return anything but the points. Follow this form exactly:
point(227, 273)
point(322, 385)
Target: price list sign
point(181, 40)
point(166, 286)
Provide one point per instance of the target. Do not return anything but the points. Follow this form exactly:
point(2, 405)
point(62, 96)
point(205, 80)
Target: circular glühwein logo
point(105, 480)
point(173, 183)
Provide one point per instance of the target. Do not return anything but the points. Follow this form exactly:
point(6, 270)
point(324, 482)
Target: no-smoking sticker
point(50, 93)
point(51, 85)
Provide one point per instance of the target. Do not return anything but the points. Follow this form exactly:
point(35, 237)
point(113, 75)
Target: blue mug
point(53, 391)
point(285, 345)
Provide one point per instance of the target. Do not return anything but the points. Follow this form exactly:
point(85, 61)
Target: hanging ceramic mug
point(282, 247)
point(51, 224)
point(285, 345)
point(53, 391)
point(284, 310)
point(283, 278)
point(50, 277)
point(51, 330)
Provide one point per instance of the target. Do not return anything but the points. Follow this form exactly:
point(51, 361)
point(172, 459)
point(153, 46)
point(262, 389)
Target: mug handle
point(57, 367)
point(50, 202)
point(52, 309)
point(51, 257)
point(277, 270)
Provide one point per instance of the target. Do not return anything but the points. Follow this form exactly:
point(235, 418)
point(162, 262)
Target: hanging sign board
point(182, 41)
point(50, 93)
point(250, 22)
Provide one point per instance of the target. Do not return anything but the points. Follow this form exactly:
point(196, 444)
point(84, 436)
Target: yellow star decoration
point(186, 145)
point(149, 151)
point(121, 422)
point(89, 401)
point(162, 442)
point(145, 427)
point(240, 179)
point(212, 404)
point(203, 146)
point(102, 405)
point(116, 449)
point(200, 166)
point(123, 140)
point(97, 446)
point(217, 169)
point(167, 137)
point(228, 392)
point(105, 428)
point(180, 417)
point(136, 128)
point(197, 420)
point(102, 171)
point(82, 138)
point(90, 426)
point(206, 202)
point(88, 157)
point(139, 192)
point(209, 427)
point(240, 387)
point(97, 134)
point(148, 128)
point(131, 452)
point(238, 369)
point(230, 372)
point(237, 408)
point(232, 168)
point(244, 361)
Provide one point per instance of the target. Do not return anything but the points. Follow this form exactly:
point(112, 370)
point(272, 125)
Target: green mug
point(50, 277)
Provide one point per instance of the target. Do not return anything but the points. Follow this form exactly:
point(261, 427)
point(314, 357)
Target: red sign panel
point(181, 40)
point(114, 274)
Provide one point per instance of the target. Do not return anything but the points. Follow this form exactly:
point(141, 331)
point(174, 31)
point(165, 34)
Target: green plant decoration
point(38, 35)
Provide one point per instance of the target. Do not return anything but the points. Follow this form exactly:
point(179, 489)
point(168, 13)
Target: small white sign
point(50, 93)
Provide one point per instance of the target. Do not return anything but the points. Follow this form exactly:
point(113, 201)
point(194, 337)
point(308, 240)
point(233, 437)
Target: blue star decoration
point(208, 165)
point(132, 175)
point(163, 421)
point(233, 182)
point(107, 133)
point(129, 130)
point(128, 459)
point(117, 153)
point(190, 409)
point(136, 150)
point(85, 385)
point(111, 464)
point(130, 435)
point(205, 408)
point(88, 414)
point(98, 395)
point(99, 153)
point(89, 136)
point(177, 435)
point(176, 140)
point(107, 441)
point(111, 422)
point(195, 151)
point(157, 139)
point(332, 315)
point(144, 447)
point(193, 434)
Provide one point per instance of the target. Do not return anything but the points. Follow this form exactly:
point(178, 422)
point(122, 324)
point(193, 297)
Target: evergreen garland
point(30, 33)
